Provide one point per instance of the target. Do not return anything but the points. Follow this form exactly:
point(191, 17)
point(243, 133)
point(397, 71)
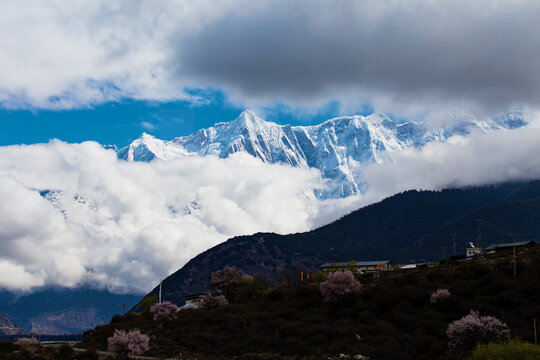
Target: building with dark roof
point(507, 246)
point(362, 266)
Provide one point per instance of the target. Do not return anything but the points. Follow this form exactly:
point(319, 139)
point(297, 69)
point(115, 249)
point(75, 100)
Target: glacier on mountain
point(338, 147)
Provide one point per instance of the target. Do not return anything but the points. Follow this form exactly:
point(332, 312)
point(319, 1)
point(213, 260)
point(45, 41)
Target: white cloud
point(478, 159)
point(141, 221)
point(64, 54)
point(147, 125)
point(403, 56)
point(15, 277)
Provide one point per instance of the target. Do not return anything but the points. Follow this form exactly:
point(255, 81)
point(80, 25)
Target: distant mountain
point(407, 226)
point(63, 311)
point(8, 327)
point(338, 147)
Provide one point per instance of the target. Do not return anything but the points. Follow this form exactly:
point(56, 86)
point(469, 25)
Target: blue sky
point(117, 122)
point(120, 122)
point(102, 70)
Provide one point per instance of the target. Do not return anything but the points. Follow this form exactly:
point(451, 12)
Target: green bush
point(318, 277)
point(65, 352)
point(148, 301)
point(391, 318)
point(509, 350)
point(247, 289)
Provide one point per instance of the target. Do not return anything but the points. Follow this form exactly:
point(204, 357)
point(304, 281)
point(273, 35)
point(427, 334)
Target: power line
point(514, 238)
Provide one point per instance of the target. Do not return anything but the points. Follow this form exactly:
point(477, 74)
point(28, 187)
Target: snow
point(338, 147)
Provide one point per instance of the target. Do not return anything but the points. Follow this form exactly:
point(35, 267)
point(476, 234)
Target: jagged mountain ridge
point(338, 147)
point(62, 310)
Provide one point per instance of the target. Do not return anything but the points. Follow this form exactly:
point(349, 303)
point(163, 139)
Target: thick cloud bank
point(125, 225)
point(409, 53)
point(478, 159)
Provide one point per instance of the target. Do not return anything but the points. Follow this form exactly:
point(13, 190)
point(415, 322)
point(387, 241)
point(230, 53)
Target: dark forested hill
point(406, 226)
point(392, 318)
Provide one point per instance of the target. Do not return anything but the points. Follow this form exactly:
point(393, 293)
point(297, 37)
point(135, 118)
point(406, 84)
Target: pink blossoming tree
point(439, 295)
point(211, 301)
point(124, 344)
point(465, 333)
point(338, 284)
point(222, 280)
point(164, 311)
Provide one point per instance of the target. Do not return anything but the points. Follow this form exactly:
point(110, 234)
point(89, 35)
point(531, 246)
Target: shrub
point(164, 311)
point(131, 343)
point(26, 341)
point(222, 280)
point(88, 355)
point(318, 277)
point(211, 301)
point(508, 350)
point(247, 289)
point(465, 333)
point(22, 355)
point(439, 295)
point(65, 352)
point(148, 301)
point(116, 318)
point(7, 347)
point(338, 284)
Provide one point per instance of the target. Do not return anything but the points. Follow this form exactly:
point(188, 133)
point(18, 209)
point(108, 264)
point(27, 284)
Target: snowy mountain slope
point(148, 148)
point(338, 147)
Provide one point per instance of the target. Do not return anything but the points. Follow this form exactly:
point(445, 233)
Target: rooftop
point(357, 263)
point(510, 244)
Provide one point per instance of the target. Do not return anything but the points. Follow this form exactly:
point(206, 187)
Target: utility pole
point(514, 237)
point(454, 236)
point(479, 242)
point(160, 284)
point(535, 338)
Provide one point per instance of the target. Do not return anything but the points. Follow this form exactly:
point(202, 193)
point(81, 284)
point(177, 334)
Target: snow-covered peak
point(146, 137)
point(148, 148)
point(338, 147)
point(250, 119)
point(246, 119)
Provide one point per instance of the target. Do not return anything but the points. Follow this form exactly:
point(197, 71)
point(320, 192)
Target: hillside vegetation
point(391, 317)
point(406, 226)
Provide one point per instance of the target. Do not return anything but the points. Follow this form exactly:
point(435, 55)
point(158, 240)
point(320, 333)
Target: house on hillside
point(474, 250)
point(413, 266)
point(193, 301)
point(362, 266)
point(507, 246)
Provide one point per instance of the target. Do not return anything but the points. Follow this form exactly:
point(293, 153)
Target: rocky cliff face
point(72, 321)
point(63, 311)
point(8, 327)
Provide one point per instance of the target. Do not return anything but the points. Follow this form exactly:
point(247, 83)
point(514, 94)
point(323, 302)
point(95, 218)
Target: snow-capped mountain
point(338, 147)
